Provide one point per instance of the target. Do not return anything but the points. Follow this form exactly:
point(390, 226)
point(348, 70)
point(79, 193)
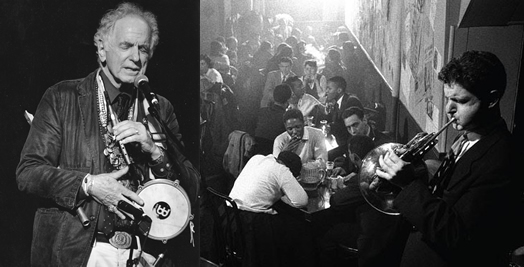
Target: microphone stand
point(172, 141)
point(173, 144)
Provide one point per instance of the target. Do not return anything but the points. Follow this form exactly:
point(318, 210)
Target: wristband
point(160, 166)
point(159, 159)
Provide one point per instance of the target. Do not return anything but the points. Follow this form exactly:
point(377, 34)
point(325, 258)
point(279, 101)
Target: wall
point(406, 42)
point(409, 55)
point(211, 22)
point(373, 25)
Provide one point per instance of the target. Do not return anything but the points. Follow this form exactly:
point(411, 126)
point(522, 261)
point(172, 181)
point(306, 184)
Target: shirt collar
point(112, 91)
point(305, 136)
point(370, 133)
point(339, 101)
point(479, 133)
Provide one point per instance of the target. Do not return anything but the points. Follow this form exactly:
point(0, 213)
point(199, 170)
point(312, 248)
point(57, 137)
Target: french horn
point(380, 193)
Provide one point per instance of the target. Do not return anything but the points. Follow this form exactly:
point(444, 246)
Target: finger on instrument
point(132, 196)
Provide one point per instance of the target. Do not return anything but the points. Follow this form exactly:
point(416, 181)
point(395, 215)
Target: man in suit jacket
point(337, 97)
point(314, 83)
point(357, 124)
point(465, 215)
point(275, 78)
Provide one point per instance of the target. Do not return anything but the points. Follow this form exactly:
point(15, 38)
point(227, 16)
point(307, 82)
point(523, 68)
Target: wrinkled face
point(355, 125)
point(126, 51)
point(298, 88)
point(464, 106)
point(285, 67)
point(203, 67)
point(295, 128)
point(310, 72)
point(332, 91)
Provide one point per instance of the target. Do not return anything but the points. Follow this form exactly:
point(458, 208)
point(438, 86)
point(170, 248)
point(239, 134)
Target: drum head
point(167, 204)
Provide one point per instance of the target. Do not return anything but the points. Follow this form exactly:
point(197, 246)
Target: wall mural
point(377, 28)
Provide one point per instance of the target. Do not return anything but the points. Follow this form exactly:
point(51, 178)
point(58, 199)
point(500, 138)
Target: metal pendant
point(121, 240)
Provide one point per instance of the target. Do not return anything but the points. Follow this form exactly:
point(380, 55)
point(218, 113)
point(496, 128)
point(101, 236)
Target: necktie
point(335, 112)
point(441, 178)
point(122, 106)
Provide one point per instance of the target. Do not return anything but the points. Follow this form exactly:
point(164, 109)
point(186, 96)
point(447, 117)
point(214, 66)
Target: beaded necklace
point(107, 120)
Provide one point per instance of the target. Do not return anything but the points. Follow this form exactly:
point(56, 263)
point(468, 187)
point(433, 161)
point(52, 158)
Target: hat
point(292, 161)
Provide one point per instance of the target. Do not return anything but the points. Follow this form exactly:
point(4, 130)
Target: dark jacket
point(469, 224)
point(338, 128)
point(63, 145)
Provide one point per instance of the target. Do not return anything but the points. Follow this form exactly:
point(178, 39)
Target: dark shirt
point(269, 126)
point(338, 128)
point(270, 123)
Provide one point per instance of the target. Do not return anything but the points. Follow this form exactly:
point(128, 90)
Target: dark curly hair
point(293, 114)
point(479, 72)
point(282, 93)
point(339, 81)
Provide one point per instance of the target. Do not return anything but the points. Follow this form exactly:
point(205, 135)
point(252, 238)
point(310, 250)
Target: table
point(318, 198)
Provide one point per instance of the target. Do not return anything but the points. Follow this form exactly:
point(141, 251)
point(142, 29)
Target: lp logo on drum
point(162, 210)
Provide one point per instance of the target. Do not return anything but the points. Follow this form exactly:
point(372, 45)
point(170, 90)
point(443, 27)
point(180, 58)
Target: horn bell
point(383, 193)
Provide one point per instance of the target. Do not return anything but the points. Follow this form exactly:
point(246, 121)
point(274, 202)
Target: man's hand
point(106, 190)
point(338, 171)
point(395, 170)
point(132, 131)
point(350, 176)
point(292, 145)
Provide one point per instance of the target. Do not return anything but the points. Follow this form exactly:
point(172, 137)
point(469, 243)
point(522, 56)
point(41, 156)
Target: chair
point(348, 254)
point(227, 234)
point(207, 263)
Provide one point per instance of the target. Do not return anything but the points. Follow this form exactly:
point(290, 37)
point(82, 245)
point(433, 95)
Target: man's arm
point(278, 144)
point(282, 143)
point(294, 194)
point(472, 217)
point(37, 172)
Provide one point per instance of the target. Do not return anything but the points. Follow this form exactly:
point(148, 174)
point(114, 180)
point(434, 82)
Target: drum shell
point(168, 206)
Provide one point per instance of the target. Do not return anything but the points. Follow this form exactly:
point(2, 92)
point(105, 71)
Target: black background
point(45, 41)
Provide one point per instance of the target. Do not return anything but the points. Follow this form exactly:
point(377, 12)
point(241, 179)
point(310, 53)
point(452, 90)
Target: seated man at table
point(269, 124)
point(271, 238)
point(302, 101)
point(305, 141)
point(357, 124)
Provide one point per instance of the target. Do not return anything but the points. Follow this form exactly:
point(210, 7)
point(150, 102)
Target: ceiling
point(481, 13)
